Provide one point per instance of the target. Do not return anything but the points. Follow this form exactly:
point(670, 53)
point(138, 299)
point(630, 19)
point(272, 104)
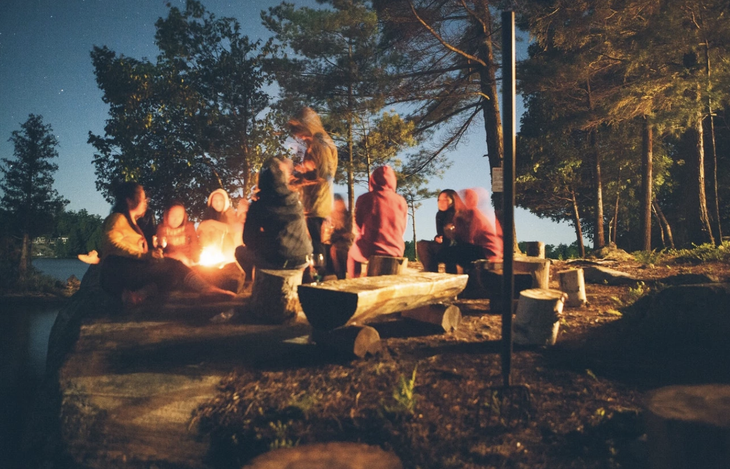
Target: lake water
point(24, 332)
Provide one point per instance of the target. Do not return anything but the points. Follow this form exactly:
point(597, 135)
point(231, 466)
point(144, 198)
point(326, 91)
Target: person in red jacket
point(380, 216)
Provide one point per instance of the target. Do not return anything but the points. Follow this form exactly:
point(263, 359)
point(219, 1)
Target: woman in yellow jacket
point(129, 268)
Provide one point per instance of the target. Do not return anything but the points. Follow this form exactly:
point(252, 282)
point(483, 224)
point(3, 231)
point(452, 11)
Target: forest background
point(624, 133)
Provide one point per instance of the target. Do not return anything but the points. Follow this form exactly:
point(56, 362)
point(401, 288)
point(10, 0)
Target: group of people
point(464, 233)
point(293, 221)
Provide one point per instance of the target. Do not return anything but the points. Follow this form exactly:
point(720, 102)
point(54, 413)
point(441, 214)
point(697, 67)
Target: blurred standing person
point(380, 216)
point(428, 251)
point(315, 175)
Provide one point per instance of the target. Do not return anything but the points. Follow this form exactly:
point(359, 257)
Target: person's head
point(305, 124)
point(219, 201)
point(274, 177)
point(130, 199)
point(339, 204)
point(446, 199)
point(383, 178)
point(175, 215)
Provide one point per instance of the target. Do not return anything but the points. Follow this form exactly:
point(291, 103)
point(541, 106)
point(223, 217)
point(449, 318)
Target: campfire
point(212, 256)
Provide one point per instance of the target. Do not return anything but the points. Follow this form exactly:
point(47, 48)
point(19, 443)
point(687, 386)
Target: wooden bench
point(329, 305)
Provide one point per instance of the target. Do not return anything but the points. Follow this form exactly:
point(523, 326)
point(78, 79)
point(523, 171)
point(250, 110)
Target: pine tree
point(27, 185)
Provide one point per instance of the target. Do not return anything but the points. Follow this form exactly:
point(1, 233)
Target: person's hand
point(439, 239)
point(242, 206)
point(157, 253)
point(449, 231)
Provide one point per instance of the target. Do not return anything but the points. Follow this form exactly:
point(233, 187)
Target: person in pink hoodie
point(380, 219)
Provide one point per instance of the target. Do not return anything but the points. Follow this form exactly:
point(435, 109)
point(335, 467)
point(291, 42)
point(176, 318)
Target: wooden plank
point(333, 304)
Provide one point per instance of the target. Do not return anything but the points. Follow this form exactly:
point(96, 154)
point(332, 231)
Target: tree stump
point(334, 455)
point(573, 284)
point(538, 268)
point(386, 265)
point(274, 295)
point(443, 315)
point(689, 426)
point(535, 249)
point(537, 319)
point(349, 340)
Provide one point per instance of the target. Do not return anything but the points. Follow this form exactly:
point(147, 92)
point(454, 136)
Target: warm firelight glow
point(213, 257)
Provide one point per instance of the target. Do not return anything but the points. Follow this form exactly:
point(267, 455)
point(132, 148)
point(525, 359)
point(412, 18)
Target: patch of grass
point(704, 253)
point(649, 257)
point(404, 396)
point(637, 292)
point(281, 439)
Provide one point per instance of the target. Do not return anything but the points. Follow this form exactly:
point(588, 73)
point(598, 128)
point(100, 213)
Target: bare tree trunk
point(646, 186)
point(413, 222)
point(599, 238)
point(578, 228)
point(613, 226)
point(714, 199)
point(703, 232)
point(659, 224)
point(664, 223)
point(25, 255)
point(350, 148)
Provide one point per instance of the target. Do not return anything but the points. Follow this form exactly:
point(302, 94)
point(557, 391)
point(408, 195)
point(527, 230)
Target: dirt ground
point(437, 400)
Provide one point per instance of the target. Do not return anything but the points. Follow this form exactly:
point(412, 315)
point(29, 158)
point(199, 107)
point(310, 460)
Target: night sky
point(45, 69)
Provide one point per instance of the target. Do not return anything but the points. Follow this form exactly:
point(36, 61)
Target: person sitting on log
point(380, 216)
point(275, 235)
point(221, 225)
point(474, 235)
point(176, 235)
point(341, 237)
point(428, 251)
point(129, 269)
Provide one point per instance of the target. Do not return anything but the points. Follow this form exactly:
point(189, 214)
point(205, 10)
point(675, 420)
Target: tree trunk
point(714, 199)
point(415, 239)
point(25, 256)
point(613, 226)
point(578, 227)
point(490, 102)
point(351, 164)
point(599, 238)
point(701, 232)
point(646, 186)
point(664, 223)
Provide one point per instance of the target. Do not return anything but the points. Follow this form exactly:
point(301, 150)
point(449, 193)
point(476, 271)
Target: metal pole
point(508, 173)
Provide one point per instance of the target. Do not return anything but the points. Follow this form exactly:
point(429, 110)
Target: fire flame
point(212, 256)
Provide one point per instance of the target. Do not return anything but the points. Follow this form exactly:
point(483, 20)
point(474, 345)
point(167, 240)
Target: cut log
point(349, 340)
point(535, 249)
point(333, 304)
point(443, 315)
point(538, 268)
point(386, 265)
point(335, 455)
point(537, 319)
point(689, 426)
point(489, 277)
point(573, 284)
point(274, 296)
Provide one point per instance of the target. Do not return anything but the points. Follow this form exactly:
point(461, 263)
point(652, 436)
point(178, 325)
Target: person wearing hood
point(275, 233)
point(220, 225)
point(315, 175)
point(429, 251)
point(176, 235)
point(380, 217)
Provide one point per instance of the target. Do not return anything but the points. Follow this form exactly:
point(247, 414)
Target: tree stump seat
point(274, 296)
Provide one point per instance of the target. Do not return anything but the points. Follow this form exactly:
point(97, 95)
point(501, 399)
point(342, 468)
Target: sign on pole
point(497, 181)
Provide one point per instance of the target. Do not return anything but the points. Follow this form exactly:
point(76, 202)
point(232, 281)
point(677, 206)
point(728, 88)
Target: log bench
point(329, 305)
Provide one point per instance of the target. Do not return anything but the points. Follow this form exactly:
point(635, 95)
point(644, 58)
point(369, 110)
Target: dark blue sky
point(45, 69)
